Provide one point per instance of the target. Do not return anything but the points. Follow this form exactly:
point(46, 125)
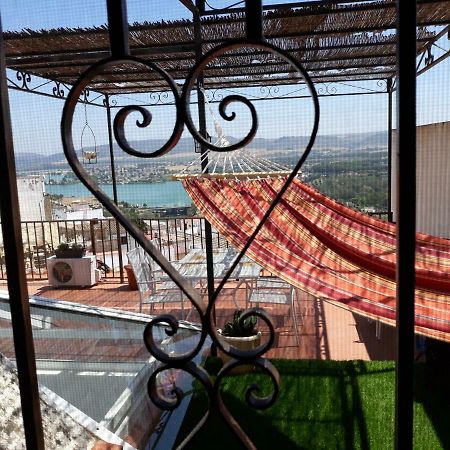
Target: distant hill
point(345, 141)
point(185, 149)
point(34, 161)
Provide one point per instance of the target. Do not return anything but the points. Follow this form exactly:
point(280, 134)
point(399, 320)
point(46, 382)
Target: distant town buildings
point(76, 209)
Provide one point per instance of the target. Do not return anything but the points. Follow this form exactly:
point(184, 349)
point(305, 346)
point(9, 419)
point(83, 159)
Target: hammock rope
point(238, 164)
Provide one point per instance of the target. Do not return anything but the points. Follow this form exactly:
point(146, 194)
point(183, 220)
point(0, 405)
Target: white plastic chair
point(275, 291)
point(151, 290)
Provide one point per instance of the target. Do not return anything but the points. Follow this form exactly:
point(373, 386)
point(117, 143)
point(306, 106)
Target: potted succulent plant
point(70, 250)
point(241, 334)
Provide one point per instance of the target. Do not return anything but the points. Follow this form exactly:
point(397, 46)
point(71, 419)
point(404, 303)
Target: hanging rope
point(238, 164)
point(89, 156)
point(222, 141)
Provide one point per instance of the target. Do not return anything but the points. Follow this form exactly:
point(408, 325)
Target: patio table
point(197, 270)
point(193, 264)
point(193, 267)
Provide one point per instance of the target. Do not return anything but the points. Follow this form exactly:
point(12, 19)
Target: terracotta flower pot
point(132, 283)
point(242, 343)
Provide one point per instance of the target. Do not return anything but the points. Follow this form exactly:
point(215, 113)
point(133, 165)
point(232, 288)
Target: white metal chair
point(151, 289)
point(273, 290)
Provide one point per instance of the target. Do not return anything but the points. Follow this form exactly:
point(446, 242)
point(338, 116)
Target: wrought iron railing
point(105, 238)
point(174, 236)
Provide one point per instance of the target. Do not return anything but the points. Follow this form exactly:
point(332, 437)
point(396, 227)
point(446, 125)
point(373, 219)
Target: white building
point(432, 177)
point(31, 190)
point(76, 210)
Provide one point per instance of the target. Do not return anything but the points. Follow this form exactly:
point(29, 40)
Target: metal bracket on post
point(190, 6)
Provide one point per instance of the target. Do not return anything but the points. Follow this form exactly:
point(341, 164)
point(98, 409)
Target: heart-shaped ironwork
point(185, 361)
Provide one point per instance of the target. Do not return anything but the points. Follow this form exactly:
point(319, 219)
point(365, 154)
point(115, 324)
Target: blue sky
point(62, 13)
point(36, 119)
point(81, 13)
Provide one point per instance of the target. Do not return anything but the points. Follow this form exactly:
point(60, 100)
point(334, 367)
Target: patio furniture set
point(155, 287)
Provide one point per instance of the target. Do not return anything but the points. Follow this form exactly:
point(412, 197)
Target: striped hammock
point(327, 249)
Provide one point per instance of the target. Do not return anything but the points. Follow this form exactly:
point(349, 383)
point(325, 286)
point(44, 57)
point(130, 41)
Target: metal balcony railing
point(106, 239)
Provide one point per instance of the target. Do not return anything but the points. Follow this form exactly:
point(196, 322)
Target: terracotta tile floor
point(326, 331)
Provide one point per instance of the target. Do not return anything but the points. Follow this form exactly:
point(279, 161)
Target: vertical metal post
point(93, 222)
point(202, 128)
point(406, 208)
point(15, 266)
point(120, 47)
point(200, 5)
point(111, 148)
point(253, 19)
point(118, 27)
point(389, 143)
point(114, 182)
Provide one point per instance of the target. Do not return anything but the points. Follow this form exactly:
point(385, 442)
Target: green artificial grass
point(325, 405)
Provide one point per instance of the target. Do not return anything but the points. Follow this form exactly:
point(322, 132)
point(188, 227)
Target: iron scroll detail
point(185, 361)
point(24, 78)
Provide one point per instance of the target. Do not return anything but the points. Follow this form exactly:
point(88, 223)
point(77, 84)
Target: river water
point(167, 193)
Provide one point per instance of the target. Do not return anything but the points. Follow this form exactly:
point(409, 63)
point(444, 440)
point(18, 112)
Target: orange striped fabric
point(328, 249)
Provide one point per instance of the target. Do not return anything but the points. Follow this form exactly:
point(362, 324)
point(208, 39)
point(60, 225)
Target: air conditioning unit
point(72, 271)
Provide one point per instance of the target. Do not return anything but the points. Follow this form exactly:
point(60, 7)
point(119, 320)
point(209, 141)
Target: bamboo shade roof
point(334, 42)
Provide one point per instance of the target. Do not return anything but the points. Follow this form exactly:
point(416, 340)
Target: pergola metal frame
point(25, 71)
point(328, 51)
